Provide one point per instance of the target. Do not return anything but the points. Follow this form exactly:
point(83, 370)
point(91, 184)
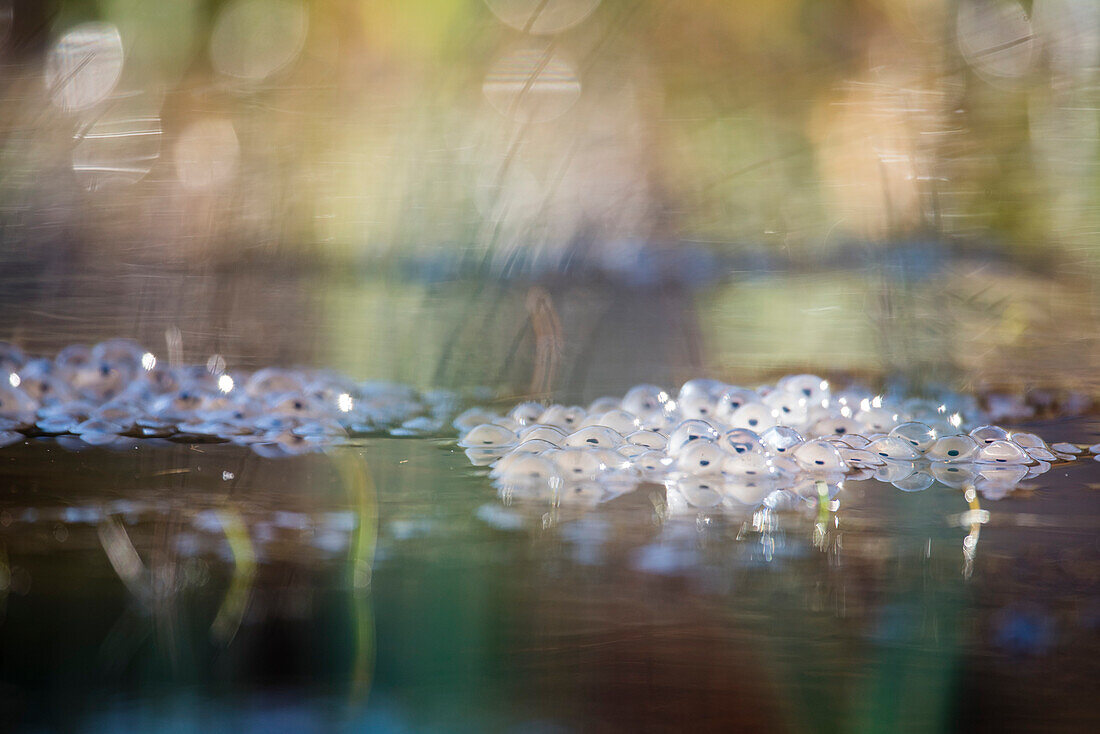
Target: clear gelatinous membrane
point(809, 387)
point(576, 463)
point(568, 418)
point(955, 476)
point(732, 399)
point(488, 435)
point(534, 446)
point(701, 457)
point(892, 447)
point(697, 405)
point(1066, 448)
point(835, 426)
point(594, 437)
point(741, 441)
point(789, 409)
point(819, 455)
point(620, 421)
point(860, 458)
point(648, 439)
point(953, 448)
point(1003, 452)
point(543, 432)
point(472, 418)
point(754, 416)
point(918, 435)
point(989, 434)
point(688, 431)
point(917, 481)
point(643, 399)
point(527, 469)
point(894, 470)
point(701, 493)
point(878, 420)
point(527, 413)
point(1027, 440)
point(652, 463)
point(780, 439)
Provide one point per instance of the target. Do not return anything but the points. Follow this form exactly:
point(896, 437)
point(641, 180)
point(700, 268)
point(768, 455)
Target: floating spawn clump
point(736, 444)
point(117, 391)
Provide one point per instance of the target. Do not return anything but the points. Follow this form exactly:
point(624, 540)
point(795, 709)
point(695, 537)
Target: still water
point(385, 586)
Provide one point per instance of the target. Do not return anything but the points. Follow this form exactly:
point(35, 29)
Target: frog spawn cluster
point(715, 443)
point(116, 391)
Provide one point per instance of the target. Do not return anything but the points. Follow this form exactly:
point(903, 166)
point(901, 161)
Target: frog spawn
point(117, 391)
point(734, 445)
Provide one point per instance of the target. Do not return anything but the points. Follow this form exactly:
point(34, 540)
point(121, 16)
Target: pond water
point(386, 586)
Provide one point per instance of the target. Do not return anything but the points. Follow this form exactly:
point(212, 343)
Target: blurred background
point(556, 199)
point(559, 195)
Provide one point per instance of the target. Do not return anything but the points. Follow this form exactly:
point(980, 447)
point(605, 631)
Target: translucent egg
point(709, 389)
point(72, 358)
point(789, 409)
point(688, 431)
point(879, 420)
point(1040, 467)
point(543, 432)
point(528, 469)
point(604, 404)
point(892, 447)
point(918, 435)
point(576, 463)
point(701, 457)
point(630, 450)
point(1009, 475)
point(472, 418)
point(659, 421)
point(593, 437)
point(1027, 440)
point(748, 464)
point(836, 426)
point(955, 476)
point(754, 416)
point(568, 418)
point(10, 438)
point(918, 481)
point(527, 413)
point(697, 405)
point(488, 435)
point(1066, 448)
point(98, 432)
point(700, 493)
point(643, 399)
point(617, 420)
point(297, 404)
point(125, 354)
point(989, 434)
point(740, 441)
point(1003, 452)
point(648, 439)
point(652, 463)
point(780, 439)
point(732, 399)
point(859, 458)
point(1040, 454)
point(810, 387)
point(953, 448)
point(15, 403)
point(534, 446)
point(818, 455)
point(894, 471)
